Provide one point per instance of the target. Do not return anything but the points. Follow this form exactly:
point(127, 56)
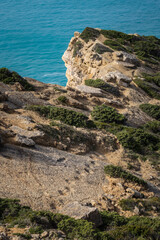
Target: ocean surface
point(34, 34)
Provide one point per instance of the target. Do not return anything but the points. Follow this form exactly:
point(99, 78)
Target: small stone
point(135, 193)
point(24, 141)
point(136, 210)
point(35, 236)
point(44, 234)
point(76, 34)
point(3, 107)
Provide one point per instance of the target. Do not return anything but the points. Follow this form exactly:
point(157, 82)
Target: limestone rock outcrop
point(94, 60)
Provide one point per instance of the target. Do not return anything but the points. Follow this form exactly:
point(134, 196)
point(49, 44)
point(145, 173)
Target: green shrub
point(77, 46)
point(127, 204)
point(146, 48)
point(89, 33)
point(151, 110)
point(111, 219)
point(57, 89)
point(118, 172)
point(100, 49)
point(62, 99)
point(147, 204)
point(107, 114)
point(36, 230)
point(79, 229)
point(138, 228)
point(69, 117)
point(60, 133)
point(152, 78)
point(110, 127)
point(149, 89)
point(98, 83)
point(115, 45)
point(153, 126)
point(11, 77)
point(138, 140)
point(120, 36)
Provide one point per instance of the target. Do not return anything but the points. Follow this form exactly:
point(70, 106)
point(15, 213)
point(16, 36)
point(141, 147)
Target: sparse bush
point(11, 77)
point(146, 48)
point(111, 219)
point(62, 99)
point(119, 35)
point(107, 114)
point(138, 228)
point(138, 140)
point(146, 87)
point(149, 204)
point(98, 83)
point(115, 45)
point(152, 78)
point(89, 33)
point(79, 229)
point(118, 172)
point(69, 117)
point(57, 89)
point(36, 230)
point(151, 110)
point(77, 46)
point(153, 126)
point(127, 204)
point(100, 49)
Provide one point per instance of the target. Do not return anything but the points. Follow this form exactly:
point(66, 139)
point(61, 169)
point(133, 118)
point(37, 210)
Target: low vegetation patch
point(151, 204)
point(114, 226)
point(100, 49)
point(118, 172)
point(152, 78)
point(138, 140)
point(151, 110)
point(99, 83)
point(58, 89)
point(153, 126)
point(112, 219)
point(146, 48)
point(115, 45)
point(61, 132)
point(77, 46)
point(107, 114)
point(89, 34)
point(62, 99)
point(69, 117)
point(140, 228)
point(11, 77)
point(147, 87)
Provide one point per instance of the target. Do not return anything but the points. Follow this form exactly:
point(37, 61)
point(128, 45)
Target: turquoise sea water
point(34, 34)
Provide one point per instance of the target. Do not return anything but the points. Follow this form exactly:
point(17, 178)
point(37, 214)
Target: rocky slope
point(56, 141)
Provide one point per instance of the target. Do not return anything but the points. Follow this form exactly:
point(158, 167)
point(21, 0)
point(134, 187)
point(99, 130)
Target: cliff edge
point(90, 146)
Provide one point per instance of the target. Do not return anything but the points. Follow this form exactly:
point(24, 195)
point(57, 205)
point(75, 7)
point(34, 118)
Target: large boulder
point(79, 211)
point(118, 77)
point(89, 90)
point(126, 57)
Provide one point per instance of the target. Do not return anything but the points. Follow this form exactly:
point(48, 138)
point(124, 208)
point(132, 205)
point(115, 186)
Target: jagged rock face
point(94, 60)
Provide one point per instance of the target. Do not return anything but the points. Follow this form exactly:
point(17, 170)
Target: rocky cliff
point(94, 144)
